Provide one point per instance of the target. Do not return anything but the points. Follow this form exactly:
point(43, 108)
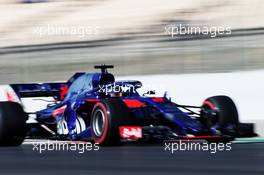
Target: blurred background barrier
point(114, 18)
point(51, 40)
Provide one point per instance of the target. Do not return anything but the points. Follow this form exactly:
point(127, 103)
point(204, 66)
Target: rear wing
point(57, 89)
point(39, 89)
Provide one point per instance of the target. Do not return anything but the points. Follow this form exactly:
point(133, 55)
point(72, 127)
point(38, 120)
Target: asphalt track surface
point(244, 158)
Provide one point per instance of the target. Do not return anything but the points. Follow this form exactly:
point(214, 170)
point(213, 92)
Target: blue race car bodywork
point(95, 106)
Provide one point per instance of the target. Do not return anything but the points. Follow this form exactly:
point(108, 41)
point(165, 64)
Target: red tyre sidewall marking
point(102, 107)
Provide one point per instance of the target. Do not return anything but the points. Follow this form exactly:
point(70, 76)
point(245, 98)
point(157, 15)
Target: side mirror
point(166, 96)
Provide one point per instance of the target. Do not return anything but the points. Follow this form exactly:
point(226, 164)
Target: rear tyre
point(106, 118)
point(220, 111)
point(12, 124)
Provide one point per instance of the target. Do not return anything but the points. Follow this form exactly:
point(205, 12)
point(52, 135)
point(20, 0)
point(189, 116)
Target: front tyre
point(220, 113)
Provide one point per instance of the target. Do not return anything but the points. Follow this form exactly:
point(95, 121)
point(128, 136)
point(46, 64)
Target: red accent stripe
point(208, 103)
point(63, 91)
point(58, 111)
point(133, 103)
point(158, 99)
point(92, 100)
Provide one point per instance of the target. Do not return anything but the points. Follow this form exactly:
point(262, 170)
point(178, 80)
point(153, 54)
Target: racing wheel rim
point(99, 122)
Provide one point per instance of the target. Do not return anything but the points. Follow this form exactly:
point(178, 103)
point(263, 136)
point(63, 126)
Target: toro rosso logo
point(130, 132)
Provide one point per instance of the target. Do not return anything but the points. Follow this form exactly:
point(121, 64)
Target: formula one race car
point(93, 106)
